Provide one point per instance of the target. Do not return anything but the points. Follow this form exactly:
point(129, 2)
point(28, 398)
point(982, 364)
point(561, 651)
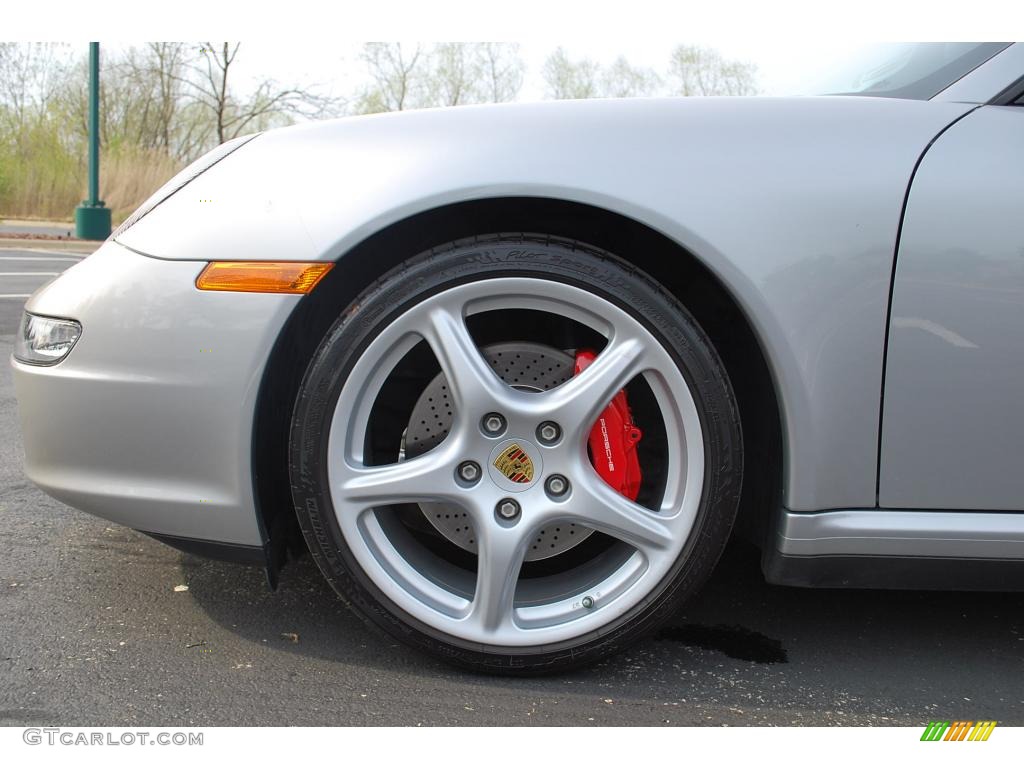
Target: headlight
point(45, 340)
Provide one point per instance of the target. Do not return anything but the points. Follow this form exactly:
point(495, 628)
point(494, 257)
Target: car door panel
point(953, 409)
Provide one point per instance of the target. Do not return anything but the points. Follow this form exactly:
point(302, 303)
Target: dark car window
point(903, 70)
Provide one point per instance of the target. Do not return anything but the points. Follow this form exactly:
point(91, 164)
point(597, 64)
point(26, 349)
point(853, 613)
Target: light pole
point(92, 217)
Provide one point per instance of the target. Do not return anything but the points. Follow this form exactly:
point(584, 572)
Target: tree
point(40, 157)
point(696, 71)
point(144, 100)
point(503, 71)
point(268, 104)
point(457, 74)
point(473, 73)
point(622, 79)
point(176, 124)
point(585, 79)
point(446, 75)
point(166, 64)
point(567, 79)
point(397, 78)
point(31, 75)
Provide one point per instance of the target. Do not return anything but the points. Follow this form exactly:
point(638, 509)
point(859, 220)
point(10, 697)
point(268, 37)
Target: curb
point(23, 221)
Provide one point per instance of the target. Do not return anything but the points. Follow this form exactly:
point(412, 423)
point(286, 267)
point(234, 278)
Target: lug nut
point(556, 486)
point(493, 424)
point(507, 509)
point(588, 602)
point(549, 433)
point(469, 471)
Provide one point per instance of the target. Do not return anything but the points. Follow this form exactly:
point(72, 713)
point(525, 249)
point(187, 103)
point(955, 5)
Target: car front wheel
point(517, 453)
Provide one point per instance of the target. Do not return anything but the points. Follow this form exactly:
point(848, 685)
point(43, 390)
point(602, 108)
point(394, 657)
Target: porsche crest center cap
point(514, 465)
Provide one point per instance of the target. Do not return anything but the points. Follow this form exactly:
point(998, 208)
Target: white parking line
point(27, 274)
point(14, 295)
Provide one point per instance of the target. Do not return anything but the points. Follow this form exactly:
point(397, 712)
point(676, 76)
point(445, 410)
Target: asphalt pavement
point(94, 632)
point(22, 271)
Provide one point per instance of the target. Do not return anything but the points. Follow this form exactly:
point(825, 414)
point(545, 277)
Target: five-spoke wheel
point(446, 454)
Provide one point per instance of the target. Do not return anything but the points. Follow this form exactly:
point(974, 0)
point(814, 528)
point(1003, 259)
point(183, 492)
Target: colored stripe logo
point(958, 730)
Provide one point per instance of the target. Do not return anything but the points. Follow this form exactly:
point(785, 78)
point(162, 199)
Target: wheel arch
point(680, 271)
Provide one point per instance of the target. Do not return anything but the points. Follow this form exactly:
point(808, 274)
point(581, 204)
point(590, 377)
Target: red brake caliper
point(613, 439)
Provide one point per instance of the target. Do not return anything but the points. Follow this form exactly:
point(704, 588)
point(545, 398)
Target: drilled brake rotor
point(524, 365)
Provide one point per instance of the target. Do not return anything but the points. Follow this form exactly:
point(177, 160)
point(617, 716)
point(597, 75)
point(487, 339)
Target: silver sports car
point(514, 374)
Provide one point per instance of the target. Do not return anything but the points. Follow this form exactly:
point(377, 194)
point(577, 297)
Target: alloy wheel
point(482, 595)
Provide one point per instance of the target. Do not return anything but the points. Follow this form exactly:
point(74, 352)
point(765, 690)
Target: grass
point(129, 177)
point(48, 185)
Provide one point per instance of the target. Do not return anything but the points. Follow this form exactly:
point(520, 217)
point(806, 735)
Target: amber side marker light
point(262, 276)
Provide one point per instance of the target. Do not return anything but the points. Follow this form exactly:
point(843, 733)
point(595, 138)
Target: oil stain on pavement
point(734, 641)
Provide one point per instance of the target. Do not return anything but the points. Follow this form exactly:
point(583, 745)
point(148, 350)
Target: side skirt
point(898, 549)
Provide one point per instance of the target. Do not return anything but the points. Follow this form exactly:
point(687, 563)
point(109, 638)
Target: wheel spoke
point(500, 553)
point(600, 506)
point(426, 478)
point(581, 399)
point(473, 384)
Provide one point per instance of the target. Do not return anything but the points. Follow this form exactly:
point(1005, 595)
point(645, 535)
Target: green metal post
point(92, 217)
point(94, 123)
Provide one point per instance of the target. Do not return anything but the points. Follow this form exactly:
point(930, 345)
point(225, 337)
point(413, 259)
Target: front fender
point(794, 204)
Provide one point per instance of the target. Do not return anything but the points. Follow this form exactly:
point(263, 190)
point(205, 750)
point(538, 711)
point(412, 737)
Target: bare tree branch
point(696, 71)
point(396, 78)
point(567, 79)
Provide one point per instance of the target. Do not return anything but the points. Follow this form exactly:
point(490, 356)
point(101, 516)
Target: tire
point(489, 326)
